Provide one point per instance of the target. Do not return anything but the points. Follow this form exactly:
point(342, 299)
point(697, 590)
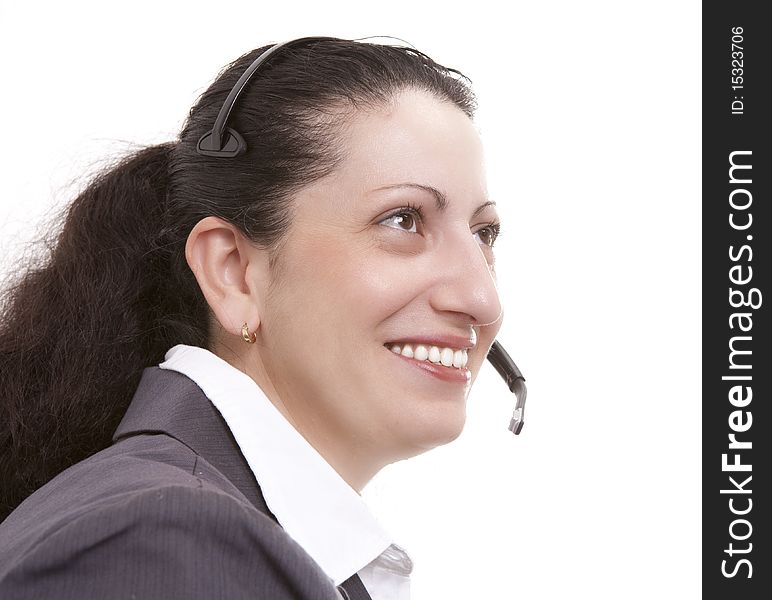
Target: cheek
point(379, 283)
point(352, 285)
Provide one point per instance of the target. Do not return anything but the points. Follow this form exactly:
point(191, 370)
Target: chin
point(423, 435)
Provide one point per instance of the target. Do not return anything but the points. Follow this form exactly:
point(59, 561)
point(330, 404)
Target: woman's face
point(361, 272)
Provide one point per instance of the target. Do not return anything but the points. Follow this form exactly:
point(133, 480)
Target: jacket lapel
point(168, 402)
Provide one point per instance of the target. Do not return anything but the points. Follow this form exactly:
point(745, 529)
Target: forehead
point(416, 138)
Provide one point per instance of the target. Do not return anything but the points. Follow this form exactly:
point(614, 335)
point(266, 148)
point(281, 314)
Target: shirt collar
point(311, 501)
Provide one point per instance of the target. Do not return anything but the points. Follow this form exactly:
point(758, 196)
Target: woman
point(221, 351)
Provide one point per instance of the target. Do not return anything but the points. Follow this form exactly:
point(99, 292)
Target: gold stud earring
point(249, 338)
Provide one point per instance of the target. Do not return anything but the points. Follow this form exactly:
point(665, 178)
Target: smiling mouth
point(450, 358)
point(451, 373)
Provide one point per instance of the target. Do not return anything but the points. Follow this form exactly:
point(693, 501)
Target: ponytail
point(77, 330)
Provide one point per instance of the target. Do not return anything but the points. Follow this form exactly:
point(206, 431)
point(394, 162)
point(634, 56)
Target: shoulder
point(170, 542)
point(147, 518)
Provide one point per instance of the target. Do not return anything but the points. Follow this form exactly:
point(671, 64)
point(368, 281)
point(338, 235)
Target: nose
point(464, 281)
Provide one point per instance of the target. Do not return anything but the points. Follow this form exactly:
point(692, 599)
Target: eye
point(490, 233)
point(406, 218)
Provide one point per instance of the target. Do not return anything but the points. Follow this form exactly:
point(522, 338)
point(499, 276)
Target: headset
point(225, 142)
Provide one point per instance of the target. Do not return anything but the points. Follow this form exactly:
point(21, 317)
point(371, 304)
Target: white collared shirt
point(311, 501)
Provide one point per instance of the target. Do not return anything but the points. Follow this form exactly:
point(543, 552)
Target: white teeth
point(434, 354)
point(445, 356)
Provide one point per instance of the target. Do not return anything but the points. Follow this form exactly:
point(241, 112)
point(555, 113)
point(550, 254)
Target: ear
point(231, 272)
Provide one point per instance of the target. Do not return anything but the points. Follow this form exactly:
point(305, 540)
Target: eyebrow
point(440, 198)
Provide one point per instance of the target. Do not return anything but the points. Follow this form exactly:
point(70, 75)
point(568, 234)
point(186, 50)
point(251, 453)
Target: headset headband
point(227, 142)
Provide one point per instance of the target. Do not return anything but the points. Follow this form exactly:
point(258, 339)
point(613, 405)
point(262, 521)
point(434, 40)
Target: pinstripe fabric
point(170, 510)
point(354, 589)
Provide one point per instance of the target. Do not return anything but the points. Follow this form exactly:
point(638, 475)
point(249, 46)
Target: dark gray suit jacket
point(170, 510)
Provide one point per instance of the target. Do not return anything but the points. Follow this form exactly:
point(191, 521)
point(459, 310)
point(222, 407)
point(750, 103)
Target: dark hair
point(114, 292)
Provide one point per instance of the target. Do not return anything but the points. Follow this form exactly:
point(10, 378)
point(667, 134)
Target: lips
point(451, 374)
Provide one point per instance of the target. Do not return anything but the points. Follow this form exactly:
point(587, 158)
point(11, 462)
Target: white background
point(590, 113)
